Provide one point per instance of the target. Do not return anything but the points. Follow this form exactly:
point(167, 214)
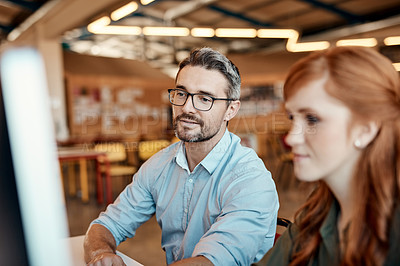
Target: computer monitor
point(33, 219)
point(12, 244)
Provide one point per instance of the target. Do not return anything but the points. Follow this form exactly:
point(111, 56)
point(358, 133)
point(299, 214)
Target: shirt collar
point(329, 225)
point(213, 158)
point(181, 157)
point(329, 231)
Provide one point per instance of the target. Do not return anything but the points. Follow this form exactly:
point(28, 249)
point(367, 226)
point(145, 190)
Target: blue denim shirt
point(225, 210)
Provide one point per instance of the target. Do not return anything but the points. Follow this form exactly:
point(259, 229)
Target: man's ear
point(232, 110)
point(367, 134)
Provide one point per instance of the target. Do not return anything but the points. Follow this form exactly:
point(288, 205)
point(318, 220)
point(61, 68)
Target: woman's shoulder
point(281, 252)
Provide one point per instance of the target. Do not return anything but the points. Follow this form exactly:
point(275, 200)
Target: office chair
point(281, 222)
point(118, 163)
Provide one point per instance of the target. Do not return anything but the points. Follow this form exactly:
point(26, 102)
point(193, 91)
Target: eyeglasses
point(200, 101)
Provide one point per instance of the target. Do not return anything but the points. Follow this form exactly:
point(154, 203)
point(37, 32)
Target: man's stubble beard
point(199, 137)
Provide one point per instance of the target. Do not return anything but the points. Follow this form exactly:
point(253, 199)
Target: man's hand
point(106, 259)
point(100, 247)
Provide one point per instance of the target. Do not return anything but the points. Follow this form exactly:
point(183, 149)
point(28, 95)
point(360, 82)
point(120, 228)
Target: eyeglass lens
point(200, 102)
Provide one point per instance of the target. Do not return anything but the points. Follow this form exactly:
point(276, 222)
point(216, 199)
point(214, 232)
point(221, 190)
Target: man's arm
point(245, 228)
point(196, 261)
point(100, 247)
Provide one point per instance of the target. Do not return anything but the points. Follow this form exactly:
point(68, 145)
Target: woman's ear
point(232, 110)
point(366, 134)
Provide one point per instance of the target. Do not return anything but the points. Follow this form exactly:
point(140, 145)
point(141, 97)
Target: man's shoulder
point(243, 154)
point(244, 161)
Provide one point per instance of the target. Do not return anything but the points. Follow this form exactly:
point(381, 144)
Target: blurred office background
point(109, 64)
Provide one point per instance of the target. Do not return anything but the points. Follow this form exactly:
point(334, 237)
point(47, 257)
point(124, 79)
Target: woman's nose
point(295, 135)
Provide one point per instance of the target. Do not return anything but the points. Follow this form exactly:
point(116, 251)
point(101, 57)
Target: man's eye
point(290, 116)
point(180, 94)
point(205, 99)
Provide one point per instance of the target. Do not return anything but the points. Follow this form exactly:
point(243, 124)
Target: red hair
point(367, 83)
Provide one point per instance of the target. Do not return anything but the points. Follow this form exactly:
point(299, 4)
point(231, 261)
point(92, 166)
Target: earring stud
point(357, 143)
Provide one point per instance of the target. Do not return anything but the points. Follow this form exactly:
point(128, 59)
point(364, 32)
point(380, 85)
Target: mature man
point(214, 200)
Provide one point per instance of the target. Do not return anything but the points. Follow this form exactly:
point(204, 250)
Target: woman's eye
point(290, 116)
point(312, 119)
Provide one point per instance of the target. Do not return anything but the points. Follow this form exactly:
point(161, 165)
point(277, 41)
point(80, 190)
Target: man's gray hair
point(214, 60)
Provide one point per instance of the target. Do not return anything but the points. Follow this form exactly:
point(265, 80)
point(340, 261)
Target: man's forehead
point(196, 79)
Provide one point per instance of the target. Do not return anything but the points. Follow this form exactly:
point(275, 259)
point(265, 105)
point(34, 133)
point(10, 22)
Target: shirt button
point(190, 180)
point(185, 210)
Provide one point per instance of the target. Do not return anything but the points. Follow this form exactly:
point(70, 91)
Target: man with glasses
point(214, 200)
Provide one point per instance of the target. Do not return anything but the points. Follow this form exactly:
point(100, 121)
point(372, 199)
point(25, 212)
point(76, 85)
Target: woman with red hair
point(344, 104)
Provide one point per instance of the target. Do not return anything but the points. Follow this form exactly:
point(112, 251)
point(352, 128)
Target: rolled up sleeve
point(245, 229)
point(133, 207)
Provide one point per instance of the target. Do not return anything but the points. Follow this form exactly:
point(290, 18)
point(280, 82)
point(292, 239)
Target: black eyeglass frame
point(192, 94)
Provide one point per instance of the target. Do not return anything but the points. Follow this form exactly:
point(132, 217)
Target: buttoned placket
point(187, 196)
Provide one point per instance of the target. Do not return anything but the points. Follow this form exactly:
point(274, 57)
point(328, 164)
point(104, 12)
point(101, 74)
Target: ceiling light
point(202, 32)
point(146, 2)
point(236, 33)
point(95, 50)
point(277, 33)
point(124, 11)
point(98, 24)
point(307, 46)
point(293, 46)
point(166, 31)
point(117, 30)
point(393, 40)
point(396, 66)
point(367, 42)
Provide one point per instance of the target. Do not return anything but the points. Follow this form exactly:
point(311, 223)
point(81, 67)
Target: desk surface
point(76, 245)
